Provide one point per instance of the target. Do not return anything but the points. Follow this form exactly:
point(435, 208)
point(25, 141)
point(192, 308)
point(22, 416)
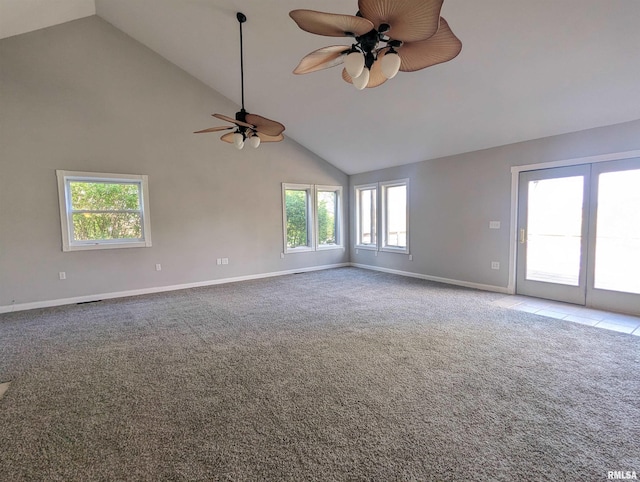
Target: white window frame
point(374, 219)
point(310, 216)
point(66, 210)
point(380, 217)
point(339, 227)
point(384, 213)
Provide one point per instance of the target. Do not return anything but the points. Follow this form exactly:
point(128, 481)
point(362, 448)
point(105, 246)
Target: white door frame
point(515, 174)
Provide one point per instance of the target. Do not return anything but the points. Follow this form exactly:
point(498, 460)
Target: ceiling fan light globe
point(390, 65)
point(354, 63)
point(238, 140)
point(362, 80)
point(254, 141)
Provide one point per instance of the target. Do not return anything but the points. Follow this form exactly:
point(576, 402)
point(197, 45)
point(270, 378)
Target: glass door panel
point(614, 250)
point(553, 223)
point(554, 230)
point(617, 263)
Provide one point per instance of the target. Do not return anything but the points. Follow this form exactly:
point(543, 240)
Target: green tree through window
point(326, 217)
point(297, 212)
point(104, 210)
point(312, 219)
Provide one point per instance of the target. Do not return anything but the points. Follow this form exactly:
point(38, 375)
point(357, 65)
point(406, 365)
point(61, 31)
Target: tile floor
point(578, 314)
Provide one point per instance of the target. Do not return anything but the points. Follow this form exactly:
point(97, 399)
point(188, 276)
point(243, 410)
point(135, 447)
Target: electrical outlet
point(356, 251)
point(225, 260)
point(281, 255)
point(158, 267)
point(410, 257)
point(62, 275)
point(495, 265)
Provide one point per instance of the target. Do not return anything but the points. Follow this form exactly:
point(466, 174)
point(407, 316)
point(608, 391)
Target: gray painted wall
point(84, 96)
point(452, 200)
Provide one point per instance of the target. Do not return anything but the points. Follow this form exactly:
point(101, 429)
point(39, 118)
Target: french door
point(579, 235)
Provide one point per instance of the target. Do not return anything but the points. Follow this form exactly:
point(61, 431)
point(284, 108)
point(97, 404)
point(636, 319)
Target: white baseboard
point(159, 289)
point(466, 284)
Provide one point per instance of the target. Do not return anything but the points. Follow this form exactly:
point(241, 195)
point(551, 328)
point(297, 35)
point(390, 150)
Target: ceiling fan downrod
point(243, 133)
point(252, 128)
point(241, 19)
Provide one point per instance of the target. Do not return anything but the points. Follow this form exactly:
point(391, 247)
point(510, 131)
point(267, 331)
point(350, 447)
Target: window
point(394, 216)
point(102, 211)
point(366, 217)
point(312, 219)
point(298, 215)
point(328, 208)
point(383, 204)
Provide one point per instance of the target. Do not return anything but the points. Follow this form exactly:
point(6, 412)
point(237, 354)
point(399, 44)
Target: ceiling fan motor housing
point(241, 115)
point(369, 42)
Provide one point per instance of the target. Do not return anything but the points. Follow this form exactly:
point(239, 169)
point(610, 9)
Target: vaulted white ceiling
point(21, 16)
point(527, 70)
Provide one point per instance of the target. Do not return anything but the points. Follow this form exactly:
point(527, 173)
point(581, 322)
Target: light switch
point(494, 224)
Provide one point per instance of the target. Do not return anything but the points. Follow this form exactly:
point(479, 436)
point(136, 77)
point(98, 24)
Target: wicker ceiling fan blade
point(267, 138)
point(264, 125)
point(233, 121)
point(376, 77)
point(442, 47)
point(330, 24)
point(410, 20)
point(214, 129)
point(323, 58)
point(228, 137)
point(346, 77)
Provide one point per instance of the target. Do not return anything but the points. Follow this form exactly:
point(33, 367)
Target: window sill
point(389, 249)
point(88, 246)
point(328, 248)
point(304, 249)
point(366, 247)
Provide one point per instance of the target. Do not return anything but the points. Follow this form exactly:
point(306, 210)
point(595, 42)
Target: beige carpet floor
point(343, 374)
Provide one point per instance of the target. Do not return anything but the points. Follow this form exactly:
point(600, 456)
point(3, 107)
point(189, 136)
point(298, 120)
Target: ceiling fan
point(390, 35)
point(250, 128)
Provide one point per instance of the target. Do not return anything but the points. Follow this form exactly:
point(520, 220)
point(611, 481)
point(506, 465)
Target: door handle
point(522, 236)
